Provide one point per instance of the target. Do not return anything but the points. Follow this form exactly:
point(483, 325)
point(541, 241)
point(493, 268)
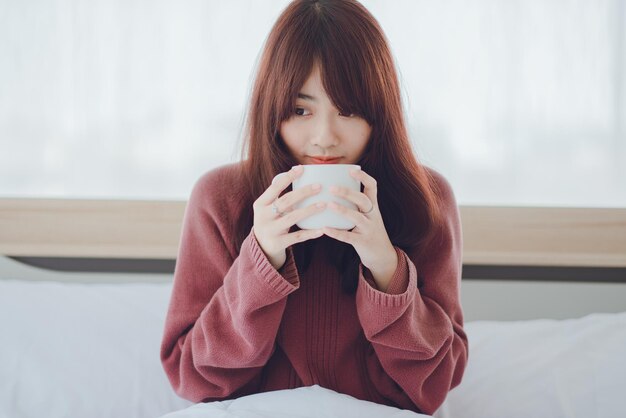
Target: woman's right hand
point(272, 229)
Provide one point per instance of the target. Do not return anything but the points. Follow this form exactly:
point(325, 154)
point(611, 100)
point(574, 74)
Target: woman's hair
point(359, 75)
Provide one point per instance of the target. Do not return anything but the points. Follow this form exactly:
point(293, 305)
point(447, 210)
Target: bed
point(85, 343)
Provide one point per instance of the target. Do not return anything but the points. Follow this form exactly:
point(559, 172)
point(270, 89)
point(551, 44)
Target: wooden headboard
point(575, 237)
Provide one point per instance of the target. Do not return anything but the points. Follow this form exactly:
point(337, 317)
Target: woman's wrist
point(276, 260)
point(383, 272)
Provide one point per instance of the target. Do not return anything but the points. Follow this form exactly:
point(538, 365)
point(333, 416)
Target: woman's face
point(317, 132)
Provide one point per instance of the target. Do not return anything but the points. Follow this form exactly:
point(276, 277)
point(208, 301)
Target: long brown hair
point(359, 75)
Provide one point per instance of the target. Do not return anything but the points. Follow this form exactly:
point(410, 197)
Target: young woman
point(259, 305)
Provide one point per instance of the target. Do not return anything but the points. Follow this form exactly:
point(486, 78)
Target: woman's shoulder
point(449, 231)
point(441, 187)
point(219, 188)
point(227, 175)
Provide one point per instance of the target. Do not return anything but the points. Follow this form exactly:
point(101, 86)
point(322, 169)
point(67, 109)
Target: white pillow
point(543, 368)
point(83, 350)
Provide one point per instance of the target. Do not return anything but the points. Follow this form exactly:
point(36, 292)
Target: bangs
point(350, 58)
point(351, 53)
point(345, 88)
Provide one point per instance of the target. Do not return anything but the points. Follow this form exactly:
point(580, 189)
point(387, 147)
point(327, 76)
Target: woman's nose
point(324, 135)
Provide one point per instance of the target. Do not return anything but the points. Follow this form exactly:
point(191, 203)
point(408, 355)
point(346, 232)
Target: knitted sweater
point(236, 326)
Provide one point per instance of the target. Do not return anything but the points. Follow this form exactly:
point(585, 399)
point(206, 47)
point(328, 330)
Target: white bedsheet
point(306, 402)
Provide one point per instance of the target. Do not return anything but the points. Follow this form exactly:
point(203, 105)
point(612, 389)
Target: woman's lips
point(324, 160)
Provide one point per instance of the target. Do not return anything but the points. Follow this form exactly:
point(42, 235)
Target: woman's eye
point(301, 111)
point(346, 115)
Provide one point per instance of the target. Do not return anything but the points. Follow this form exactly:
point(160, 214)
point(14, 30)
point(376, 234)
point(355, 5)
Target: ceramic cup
point(327, 175)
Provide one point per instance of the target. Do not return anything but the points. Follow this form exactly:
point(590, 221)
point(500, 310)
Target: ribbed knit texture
point(236, 326)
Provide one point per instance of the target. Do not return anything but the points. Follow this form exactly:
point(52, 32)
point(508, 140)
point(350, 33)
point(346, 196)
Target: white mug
point(327, 175)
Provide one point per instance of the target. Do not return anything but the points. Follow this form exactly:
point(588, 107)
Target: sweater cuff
point(399, 290)
point(289, 271)
point(284, 281)
point(400, 280)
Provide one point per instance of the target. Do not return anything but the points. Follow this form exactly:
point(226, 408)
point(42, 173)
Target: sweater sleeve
point(417, 348)
point(225, 309)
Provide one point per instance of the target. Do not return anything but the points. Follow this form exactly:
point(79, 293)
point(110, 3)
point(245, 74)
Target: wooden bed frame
point(501, 236)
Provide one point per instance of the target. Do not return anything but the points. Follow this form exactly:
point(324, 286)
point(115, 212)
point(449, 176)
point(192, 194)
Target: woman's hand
point(369, 236)
point(273, 217)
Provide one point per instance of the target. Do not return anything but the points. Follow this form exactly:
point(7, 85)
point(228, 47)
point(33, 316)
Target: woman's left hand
point(369, 236)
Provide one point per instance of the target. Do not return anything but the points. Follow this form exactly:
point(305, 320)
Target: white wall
point(517, 102)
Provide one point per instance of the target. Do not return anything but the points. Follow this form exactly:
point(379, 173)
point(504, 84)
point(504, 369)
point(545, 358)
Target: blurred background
point(517, 103)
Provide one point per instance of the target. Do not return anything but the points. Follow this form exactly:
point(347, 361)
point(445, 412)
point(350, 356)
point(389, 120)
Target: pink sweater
point(237, 326)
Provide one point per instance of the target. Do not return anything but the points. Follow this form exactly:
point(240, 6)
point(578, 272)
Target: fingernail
point(321, 204)
point(316, 186)
point(334, 189)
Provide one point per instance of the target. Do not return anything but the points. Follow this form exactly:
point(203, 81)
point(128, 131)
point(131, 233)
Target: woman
point(258, 305)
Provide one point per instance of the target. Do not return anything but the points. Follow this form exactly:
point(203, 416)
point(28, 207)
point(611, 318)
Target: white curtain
point(515, 102)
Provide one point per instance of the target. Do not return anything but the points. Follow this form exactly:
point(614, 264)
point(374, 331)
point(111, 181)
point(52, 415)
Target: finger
point(370, 186)
point(300, 236)
point(279, 184)
point(293, 217)
point(290, 199)
point(359, 199)
point(357, 217)
point(340, 235)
